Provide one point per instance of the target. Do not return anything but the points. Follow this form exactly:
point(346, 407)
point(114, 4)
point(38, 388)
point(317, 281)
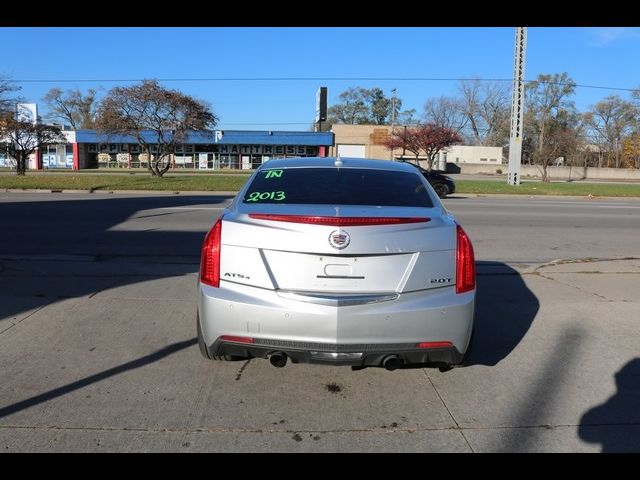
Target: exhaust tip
point(391, 362)
point(278, 359)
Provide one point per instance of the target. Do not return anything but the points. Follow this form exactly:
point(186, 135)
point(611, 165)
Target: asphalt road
point(97, 347)
point(511, 229)
point(518, 229)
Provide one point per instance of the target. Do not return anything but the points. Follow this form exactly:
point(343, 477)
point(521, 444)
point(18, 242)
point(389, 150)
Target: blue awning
point(221, 137)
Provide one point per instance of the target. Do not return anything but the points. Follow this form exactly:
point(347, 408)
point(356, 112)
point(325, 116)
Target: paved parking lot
point(98, 349)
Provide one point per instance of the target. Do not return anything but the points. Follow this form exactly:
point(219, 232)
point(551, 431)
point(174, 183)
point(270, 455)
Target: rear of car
point(337, 261)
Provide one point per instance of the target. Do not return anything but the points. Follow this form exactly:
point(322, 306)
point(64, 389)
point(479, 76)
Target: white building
point(368, 141)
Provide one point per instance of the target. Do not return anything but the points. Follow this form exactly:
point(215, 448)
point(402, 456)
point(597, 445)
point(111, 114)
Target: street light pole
point(393, 113)
point(517, 108)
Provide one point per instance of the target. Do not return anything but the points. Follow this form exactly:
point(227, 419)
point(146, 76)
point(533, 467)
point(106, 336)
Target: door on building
point(356, 151)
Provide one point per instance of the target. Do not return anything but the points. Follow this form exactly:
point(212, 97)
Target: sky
point(240, 59)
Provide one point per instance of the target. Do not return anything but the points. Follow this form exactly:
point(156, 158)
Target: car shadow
point(616, 423)
point(505, 309)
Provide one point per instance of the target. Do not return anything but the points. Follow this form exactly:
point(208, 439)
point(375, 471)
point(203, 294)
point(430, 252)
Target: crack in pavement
point(576, 287)
point(13, 324)
point(457, 427)
point(299, 430)
point(587, 272)
point(537, 271)
point(568, 261)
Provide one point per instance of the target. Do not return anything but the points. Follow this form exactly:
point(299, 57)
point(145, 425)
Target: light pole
point(517, 108)
point(393, 114)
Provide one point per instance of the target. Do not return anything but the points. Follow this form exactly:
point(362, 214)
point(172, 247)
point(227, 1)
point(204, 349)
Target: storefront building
point(222, 149)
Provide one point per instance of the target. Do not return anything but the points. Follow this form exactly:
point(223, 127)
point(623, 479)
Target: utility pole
point(393, 114)
point(517, 108)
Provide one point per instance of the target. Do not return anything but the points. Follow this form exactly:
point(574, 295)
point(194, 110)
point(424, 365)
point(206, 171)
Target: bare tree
point(156, 117)
point(447, 112)
point(486, 108)
point(7, 102)
point(550, 113)
point(610, 120)
point(72, 107)
point(561, 142)
point(25, 135)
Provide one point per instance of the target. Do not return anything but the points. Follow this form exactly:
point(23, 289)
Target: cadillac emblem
point(339, 239)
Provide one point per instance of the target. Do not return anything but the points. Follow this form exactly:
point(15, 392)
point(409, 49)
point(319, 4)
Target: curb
point(130, 192)
point(457, 195)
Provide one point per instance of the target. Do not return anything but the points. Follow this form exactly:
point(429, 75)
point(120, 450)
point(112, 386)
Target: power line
point(316, 79)
point(261, 79)
point(267, 123)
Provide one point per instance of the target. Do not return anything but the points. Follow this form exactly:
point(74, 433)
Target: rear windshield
point(338, 186)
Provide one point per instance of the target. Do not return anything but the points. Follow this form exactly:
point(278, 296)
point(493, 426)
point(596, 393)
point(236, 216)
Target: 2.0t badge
point(339, 239)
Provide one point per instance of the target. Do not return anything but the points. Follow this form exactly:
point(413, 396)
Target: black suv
point(442, 184)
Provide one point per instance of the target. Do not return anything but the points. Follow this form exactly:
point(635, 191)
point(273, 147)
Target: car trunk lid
point(352, 249)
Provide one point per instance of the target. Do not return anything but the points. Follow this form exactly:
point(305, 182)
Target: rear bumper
point(327, 354)
point(309, 332)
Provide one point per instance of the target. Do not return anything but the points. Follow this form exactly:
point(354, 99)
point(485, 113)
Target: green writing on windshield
point(257, 196)
point(273, 174)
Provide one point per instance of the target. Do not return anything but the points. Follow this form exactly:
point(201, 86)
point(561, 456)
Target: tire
point(205, 351)
point(441, 189)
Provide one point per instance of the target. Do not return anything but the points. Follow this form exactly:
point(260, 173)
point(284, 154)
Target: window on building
point(483, 159)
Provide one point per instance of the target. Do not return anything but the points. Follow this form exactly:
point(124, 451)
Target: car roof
point(326, 162)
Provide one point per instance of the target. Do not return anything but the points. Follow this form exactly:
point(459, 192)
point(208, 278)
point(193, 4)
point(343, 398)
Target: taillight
point(231, 338)
point(210, 258)
point(435, 344)
point(465, 263)
point(338, 221)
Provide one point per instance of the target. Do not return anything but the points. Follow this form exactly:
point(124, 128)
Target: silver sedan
point(338, 261)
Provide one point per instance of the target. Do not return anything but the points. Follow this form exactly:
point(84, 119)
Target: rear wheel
point(441, 189)
point(205, 352)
